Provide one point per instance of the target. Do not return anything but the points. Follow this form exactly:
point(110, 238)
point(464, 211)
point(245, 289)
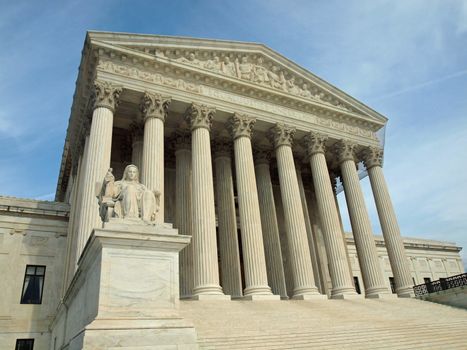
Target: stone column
point(227, 219)
point(373, 157)
point(137, 132)
point(342, 284)
point(254, 261)
point(97, 159)
point(269, 224)
point(154, 110)
point(302, 270)
point(183, 213)
point(205, 264)
point(360, 221)
point(309, 231)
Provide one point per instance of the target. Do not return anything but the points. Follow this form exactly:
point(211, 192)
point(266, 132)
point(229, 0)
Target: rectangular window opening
point(33, 285)
point(392, 284)
point(24, 344)
point(357, 285)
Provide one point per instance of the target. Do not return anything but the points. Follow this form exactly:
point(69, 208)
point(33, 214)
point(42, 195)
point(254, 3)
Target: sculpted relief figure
point(276, 78)
point(260, 74)
point(214, 64)
point(228, 67)
point(128, 199)
point(245, 69)
point(191, 59)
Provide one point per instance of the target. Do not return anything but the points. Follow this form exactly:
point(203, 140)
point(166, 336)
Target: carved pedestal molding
point(302, 271)
point(137, 133)
point(342, 285)
point(183, 213)
point(205, 265)
point(97, 159)
point(269, 225)
point(154, 110)
point(360, 221)
point(373, 160)
point(254, 261)
point(227, 219)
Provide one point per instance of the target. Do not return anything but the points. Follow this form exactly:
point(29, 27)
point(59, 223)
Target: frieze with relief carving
point(253, 68)
point(343, 125)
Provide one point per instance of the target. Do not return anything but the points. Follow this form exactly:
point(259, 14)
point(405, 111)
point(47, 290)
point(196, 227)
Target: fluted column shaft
point(254, 261)
point(205, 263)
point(302, 270)
point(154, 109)
point(183, 213)
point(227, 221)
point(342, 284)
point(270, 227)
point(309, 230)
point(137, 143)
point(95, 168)
point(360, 221)
point(390, 227)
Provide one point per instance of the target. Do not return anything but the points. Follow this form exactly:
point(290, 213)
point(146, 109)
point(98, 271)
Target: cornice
point(183, 45)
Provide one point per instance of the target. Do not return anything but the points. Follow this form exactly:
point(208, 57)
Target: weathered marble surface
point(125, 292)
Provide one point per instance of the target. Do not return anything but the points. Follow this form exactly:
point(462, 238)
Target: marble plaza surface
point(327, 324)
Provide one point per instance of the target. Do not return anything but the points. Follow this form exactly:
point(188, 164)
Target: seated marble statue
point(128, 199)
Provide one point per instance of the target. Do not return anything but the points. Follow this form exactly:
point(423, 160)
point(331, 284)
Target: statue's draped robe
point(134, 201)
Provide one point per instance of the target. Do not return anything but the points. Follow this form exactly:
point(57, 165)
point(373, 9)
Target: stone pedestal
point(125, 292)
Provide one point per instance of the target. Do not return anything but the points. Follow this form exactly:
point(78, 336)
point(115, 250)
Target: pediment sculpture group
point(128, 199)
point(256, 73)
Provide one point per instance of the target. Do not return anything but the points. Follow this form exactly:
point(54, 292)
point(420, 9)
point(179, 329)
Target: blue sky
point(405, 59)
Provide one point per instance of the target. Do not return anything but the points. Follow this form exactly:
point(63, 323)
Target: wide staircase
point(327, 324)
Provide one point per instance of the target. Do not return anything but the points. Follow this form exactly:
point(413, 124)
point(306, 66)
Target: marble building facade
point(244, 149)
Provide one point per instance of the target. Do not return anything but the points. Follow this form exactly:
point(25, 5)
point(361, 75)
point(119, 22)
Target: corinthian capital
point(181, 140)
point(373, 156)
point(136, 130)
point(315, 143)
point(345, 150)
point(106, 95)
point(261, 155)
point(241, 125)
point(222, 147)
point(154, 106)
point(282, 135)
point(199, 116)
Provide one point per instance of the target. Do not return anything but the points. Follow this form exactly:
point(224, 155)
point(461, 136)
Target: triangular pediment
point(250, 63)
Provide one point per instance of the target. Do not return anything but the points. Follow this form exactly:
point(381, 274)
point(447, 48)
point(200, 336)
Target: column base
point(211, 297)
point(384, 295)
point(347, 296)
point(284, 297)
point(310, 297)
point(406, 294)
point(257, 290)
point(257, 297)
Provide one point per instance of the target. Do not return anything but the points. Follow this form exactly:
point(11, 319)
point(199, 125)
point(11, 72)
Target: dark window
point(33, 285)
point(427, 279)
point(393, 285)
point(413, 280)
point(24, 344)
point(357, 285)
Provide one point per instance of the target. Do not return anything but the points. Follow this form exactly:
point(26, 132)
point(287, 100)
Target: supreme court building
point(244, 149)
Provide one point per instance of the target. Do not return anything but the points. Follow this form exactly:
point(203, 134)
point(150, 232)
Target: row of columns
point(258, 221)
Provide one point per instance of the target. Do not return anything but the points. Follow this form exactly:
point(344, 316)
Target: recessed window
point(427, 279)
point(392, 284)
point(357, 285)
point(24, 344)
point(33, 285)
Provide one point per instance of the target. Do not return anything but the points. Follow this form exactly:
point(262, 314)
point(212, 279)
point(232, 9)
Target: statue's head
point(131, 173)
